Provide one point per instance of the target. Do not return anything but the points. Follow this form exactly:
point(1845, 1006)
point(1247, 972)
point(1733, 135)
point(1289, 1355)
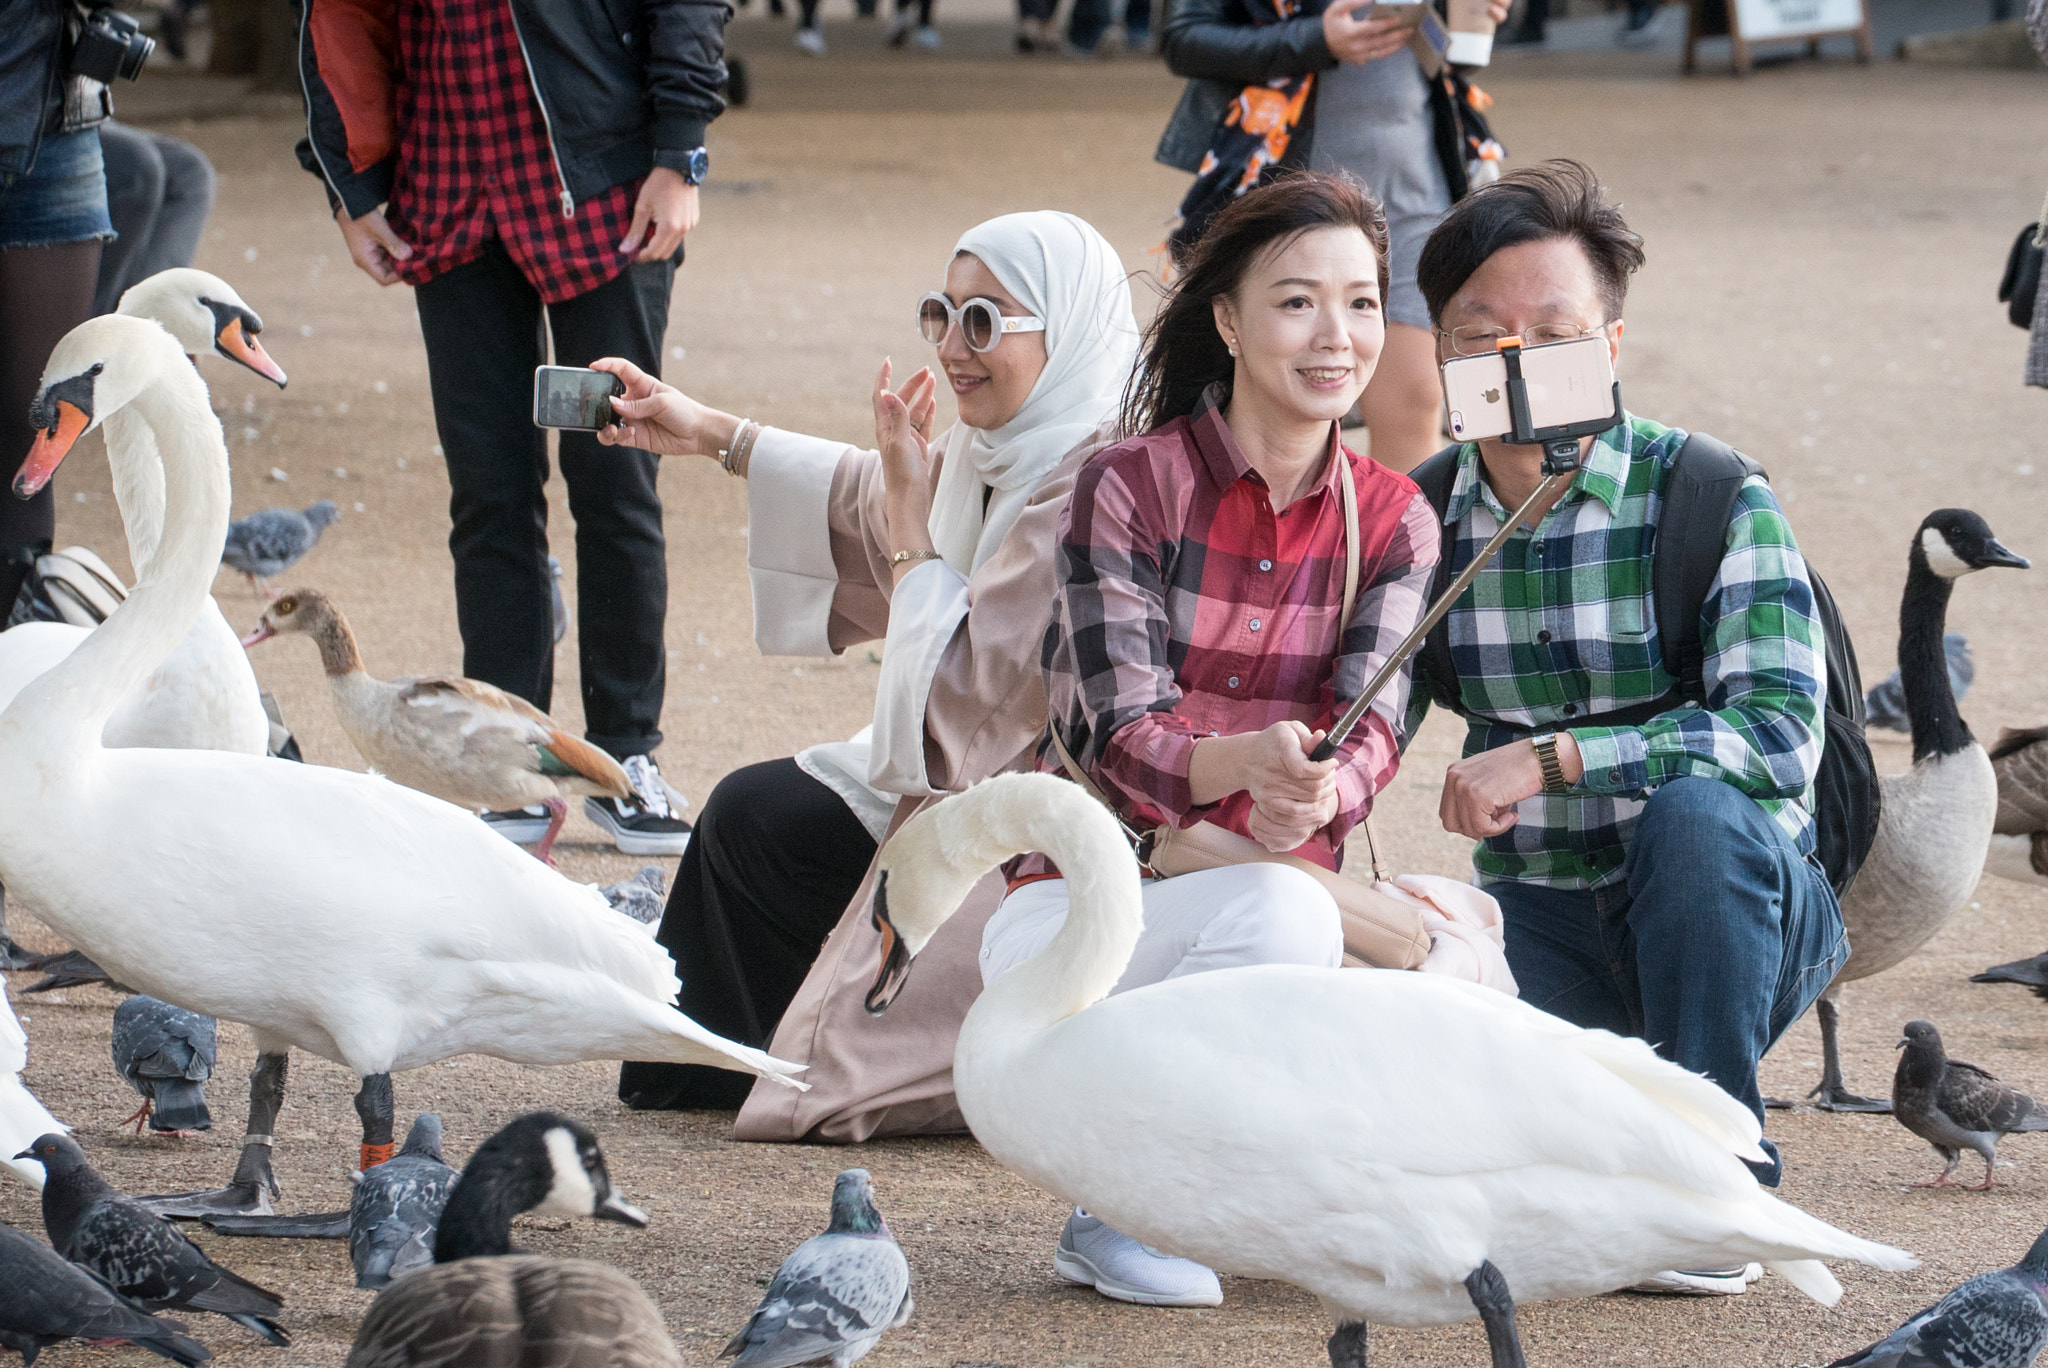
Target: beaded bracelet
point(741, 446)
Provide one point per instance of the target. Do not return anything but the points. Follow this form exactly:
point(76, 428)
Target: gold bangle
point(901, 557)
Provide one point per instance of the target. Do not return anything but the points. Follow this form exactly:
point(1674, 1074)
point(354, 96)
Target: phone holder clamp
point(1560, 443)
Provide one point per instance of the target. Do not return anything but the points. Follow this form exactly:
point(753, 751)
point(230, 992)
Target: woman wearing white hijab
point(944, 547)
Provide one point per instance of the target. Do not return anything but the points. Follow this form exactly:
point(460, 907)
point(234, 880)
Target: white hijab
point(1066, 273)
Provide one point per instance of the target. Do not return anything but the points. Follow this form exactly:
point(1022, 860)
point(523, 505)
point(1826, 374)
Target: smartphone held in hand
point(574, 398)
point(1568, 382)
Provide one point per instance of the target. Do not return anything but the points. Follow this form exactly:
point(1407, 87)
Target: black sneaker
point(649, 824)
point(520, 826)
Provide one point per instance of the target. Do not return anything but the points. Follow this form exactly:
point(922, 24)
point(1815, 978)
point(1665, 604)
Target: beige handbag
point(1379, 931)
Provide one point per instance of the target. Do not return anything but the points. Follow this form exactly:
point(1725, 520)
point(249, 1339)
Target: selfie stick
point(1560, 464)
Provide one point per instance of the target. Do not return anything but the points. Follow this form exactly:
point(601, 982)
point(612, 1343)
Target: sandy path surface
point(1823, 245)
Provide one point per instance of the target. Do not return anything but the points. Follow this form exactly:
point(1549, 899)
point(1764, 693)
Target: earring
point(1232, 347)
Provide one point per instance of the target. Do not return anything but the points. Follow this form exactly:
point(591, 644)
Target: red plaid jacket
point(474, 160)
point(1188, 608)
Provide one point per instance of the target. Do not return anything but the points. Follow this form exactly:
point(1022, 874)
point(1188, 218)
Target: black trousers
point(775, 859)
point(483, 324)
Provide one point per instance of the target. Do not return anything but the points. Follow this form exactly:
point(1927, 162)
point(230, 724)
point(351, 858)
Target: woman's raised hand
point(661, 418)
point(903, 435)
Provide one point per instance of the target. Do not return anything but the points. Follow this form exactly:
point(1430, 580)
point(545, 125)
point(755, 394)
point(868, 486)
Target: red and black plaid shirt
point(1188, 608)
point(474, 161)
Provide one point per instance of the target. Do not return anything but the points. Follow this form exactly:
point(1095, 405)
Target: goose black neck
point(1923, 665)
point(477, 1222)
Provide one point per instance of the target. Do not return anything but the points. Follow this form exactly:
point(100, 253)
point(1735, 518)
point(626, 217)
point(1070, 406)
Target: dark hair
point(1553, 199)
point(1183, 353)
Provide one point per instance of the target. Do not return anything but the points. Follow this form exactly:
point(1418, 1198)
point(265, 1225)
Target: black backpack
point(1699, 498)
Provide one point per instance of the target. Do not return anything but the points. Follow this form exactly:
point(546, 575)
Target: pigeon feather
point(1995, 1320)
point(393, 1212)
point(835, 1295)
point(45, 1299)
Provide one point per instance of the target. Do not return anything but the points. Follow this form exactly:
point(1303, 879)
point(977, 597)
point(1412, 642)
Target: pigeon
point(833, 1298)
point(396, 1206)
point(44, 1299)
point(642, 897)
point(1955, 1106)
point(1995, 1320)
point(2032, 971)
point(140, 1254)
point(166, 1053)
point(1885, 704)
point(272, 540)
point(67, 969)
point(560, 606)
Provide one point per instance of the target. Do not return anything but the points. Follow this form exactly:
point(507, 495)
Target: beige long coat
point(818, 556)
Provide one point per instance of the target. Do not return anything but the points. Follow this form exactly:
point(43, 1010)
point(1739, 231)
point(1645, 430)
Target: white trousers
point(1211, 919)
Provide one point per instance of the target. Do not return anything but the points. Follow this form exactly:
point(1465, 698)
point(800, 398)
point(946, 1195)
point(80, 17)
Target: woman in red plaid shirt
point(1198, 650)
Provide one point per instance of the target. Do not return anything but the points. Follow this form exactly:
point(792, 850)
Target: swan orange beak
point(895, 971)
point(260, 633)
point(237, 343)
point(50, 448)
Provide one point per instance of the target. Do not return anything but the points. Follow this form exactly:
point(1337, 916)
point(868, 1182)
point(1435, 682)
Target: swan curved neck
point(80, 693)
point(1938, 727)
point(138, 484)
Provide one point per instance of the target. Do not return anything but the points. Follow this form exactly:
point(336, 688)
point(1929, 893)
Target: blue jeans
point(1720, 935)
point(61, 198)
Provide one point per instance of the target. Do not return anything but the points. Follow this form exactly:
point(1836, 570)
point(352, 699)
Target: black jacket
point(36, 97)
point(625, 86)
point(1217, 47)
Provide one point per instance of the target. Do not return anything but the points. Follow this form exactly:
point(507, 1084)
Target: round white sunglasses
point(981, 323)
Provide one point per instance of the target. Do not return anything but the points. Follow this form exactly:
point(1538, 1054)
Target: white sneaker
point(926, 37)
point(521, 826)
point(1092, 1254)
point(648, 826)
point(810, 40)
point(1701, 1282)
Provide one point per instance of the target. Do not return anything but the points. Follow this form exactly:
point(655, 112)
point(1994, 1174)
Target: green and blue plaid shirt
point(1563, 625)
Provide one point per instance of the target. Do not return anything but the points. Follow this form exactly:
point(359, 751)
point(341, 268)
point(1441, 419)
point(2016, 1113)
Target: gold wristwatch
point(1546, 756)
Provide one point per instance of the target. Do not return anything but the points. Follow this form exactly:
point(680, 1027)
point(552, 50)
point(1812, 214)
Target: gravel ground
point(1823, 244)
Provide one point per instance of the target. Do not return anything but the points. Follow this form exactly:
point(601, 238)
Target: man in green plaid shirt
point(1656, 878)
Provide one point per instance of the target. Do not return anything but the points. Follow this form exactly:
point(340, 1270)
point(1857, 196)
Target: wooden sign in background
point(1745, 22)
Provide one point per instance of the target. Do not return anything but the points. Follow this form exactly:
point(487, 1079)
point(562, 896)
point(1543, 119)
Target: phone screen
point(571, 397)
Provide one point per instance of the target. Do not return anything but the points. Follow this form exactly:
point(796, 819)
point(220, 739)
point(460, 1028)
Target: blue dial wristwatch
point(697, 167)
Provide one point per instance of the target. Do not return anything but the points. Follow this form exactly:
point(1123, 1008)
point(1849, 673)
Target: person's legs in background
point(1087, 21)
point(1529, 29)
point(621, 559)
point(53, 221)
point(187, 203)
point(774, 861)
point(135, 191)
point(1736, 933)
point(809, 37)
point(1138, 25)
point(901, 31)
point(1213, 919)
point(1034, 25)
point(481, 325)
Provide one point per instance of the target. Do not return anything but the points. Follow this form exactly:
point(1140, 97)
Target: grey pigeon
point(166, 1053)
point(45, 1299)
point(1955, 1106)
point(2032, 971)
point(271, 541)
point(396, 1206)
point(1885, 704)
point(67, 969)
point(560, 605)
point(140, 1254)
point(835, 1295)
point(641, 897)
point(1995, 1320)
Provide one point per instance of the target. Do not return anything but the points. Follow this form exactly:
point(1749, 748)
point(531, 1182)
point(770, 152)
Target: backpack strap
point(1692, 535)
point(1435, 477)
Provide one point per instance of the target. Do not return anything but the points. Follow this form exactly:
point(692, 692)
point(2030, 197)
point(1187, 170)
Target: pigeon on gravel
point(271, 541)
point(45, 1299)
point(1955, 1106)
point(642, 897)
point(67, 969)
point(396, 1206)
point(166, 1053)
point(140, 1254)
point(835, 1295)
point(1995, 1320)
point(1885, 704)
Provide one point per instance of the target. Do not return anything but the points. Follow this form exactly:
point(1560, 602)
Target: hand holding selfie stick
point(1560, 465)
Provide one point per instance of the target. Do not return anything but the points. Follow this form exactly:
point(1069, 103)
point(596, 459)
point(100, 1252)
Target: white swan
point(20, 1113)
point(328, 910)
point(1398, 1144)
point(204, 695)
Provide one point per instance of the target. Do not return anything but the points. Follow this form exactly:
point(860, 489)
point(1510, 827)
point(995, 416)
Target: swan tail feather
point(1810, 1276)
point(676, 1039)
point(1693, 1097)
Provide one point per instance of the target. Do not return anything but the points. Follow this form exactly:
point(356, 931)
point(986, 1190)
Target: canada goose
point(483, 1305)
point(2019, 839)
point(464, 741)
point(1483, 1152)
point(1935, 822)
point(328, 910)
